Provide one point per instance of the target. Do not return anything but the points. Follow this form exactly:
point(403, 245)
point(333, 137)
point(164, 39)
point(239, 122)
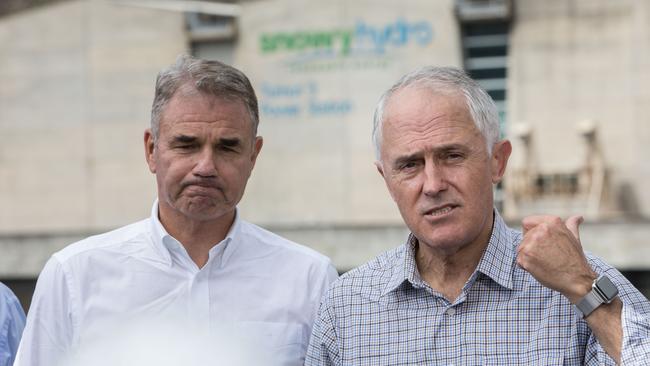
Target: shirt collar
point(497, 261)
point(164, 243)
point(406, 269)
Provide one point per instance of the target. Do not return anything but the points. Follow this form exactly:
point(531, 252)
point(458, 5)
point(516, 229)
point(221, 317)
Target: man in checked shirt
point(465, 289)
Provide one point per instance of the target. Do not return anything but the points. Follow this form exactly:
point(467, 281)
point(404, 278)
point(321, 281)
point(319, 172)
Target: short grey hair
point(444, 80)
point(209, 77)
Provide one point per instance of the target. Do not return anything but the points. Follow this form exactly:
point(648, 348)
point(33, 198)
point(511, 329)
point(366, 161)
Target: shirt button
point(451, 311)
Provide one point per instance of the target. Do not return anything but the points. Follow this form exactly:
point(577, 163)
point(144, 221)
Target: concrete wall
point(77, 83)
point(77, 78)
point(317, 100)
point(585, 59)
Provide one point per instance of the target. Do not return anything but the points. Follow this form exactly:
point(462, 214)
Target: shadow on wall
point(8, 7)
point(640, 280)
point(23, 288)
point(628, 201)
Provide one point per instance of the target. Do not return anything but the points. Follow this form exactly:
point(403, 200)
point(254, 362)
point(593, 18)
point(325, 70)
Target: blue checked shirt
point(12, 322)
point(382, 313)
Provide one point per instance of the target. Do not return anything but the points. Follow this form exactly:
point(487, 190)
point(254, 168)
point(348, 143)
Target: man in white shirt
point(194, 263)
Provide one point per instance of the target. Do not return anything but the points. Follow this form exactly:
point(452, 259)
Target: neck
point(447, 272)
point(197, 236)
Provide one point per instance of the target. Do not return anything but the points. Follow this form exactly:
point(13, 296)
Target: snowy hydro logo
point(363, 38)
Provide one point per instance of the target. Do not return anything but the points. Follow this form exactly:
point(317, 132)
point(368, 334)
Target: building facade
point(77, 82)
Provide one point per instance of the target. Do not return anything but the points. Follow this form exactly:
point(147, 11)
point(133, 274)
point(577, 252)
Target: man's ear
point(257, 147)
point(382, 172)
point(380, 168)
point(149, 149)
point(499, 160)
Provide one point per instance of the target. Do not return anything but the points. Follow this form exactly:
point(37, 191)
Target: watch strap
point(589, 303)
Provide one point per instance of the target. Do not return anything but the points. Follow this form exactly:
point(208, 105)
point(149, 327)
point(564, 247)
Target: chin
point(206, 214)
point(202, 210)
point(442, 243)
point(446, 237)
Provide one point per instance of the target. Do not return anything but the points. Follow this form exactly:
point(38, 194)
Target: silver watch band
point(589, 303)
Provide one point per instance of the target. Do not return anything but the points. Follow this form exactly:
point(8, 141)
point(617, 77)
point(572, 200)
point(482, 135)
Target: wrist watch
point(603, 291)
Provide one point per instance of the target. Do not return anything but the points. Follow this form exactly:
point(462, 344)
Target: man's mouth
point(202, 184)
point(440, 210)
point(201, 188)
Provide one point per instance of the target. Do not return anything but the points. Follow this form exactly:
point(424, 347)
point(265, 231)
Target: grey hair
point(209, 77)
point(444, 80)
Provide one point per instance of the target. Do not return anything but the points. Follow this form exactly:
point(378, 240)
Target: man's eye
point(227, 148)
point(185, 147)
point(454, 156)
point(408, 165)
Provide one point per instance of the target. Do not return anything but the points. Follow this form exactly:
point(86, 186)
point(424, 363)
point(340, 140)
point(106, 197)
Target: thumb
point(573, 224)
point(529, 222)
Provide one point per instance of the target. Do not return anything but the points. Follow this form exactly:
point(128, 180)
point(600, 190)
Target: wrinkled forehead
point(427, 91)
point(419, 119)
point(189, 90)
point(419, 107)
point(189, 99)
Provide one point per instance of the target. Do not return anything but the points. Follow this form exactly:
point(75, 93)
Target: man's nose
point(205, 165)
point(434, 179)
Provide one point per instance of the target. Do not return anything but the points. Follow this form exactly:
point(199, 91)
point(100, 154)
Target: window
point(211, 36)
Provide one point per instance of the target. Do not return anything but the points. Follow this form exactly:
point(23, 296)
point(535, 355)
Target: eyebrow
point(437, 150)
point(406, 158)
point(230, 142)
point(450, 147)
point(184, 139)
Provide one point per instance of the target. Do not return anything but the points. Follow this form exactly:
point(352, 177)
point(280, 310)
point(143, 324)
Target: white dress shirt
point(255, 286)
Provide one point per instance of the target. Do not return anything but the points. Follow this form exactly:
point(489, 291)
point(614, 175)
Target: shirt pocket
point(281, 343)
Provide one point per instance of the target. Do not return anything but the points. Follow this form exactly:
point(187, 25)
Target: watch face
point(606, 288)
